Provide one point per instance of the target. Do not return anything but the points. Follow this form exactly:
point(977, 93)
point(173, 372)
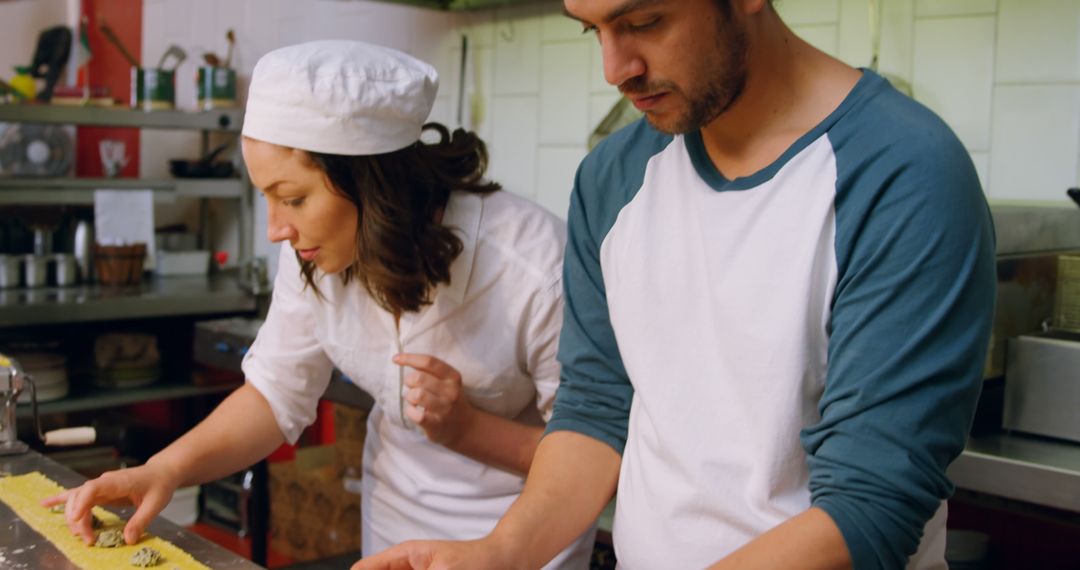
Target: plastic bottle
point(23, 83)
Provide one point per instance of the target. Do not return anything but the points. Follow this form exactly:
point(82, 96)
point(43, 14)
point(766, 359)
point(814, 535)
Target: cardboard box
point(311, 514)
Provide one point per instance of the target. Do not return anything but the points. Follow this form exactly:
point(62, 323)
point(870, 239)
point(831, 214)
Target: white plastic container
point(183, 262)
point(183, 509)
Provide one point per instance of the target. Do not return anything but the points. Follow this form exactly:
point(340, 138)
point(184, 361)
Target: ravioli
point(23, 493)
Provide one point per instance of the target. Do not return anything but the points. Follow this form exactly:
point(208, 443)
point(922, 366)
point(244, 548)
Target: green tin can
point(217, 87)
point(153, 89)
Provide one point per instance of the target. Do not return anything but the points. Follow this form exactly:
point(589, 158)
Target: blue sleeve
point(908, 338)
point(595, 393)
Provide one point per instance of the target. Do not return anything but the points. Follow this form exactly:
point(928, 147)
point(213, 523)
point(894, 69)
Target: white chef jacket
point(497, 323)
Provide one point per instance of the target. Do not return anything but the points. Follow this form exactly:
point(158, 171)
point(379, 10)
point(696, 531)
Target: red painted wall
point(109, 69)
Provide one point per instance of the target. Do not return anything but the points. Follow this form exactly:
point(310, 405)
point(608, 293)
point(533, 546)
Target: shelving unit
point(101, 398)
point(184, 298)
point(223, 120)
point(160, 297)
point(80, 191)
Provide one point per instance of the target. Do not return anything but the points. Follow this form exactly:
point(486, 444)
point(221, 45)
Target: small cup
point(10, 268)
point(36, 270)
point(65, 269)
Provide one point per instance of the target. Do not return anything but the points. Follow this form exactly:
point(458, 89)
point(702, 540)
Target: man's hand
point(436, 398)
point(434, 555)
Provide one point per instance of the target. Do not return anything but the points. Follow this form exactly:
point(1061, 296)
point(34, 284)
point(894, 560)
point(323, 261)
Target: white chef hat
point(339, 97)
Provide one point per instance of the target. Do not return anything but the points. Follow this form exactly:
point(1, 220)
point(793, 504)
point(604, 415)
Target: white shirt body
point(497, 323)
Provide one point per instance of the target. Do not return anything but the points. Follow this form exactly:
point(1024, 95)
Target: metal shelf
point(1025, 468)
point(101, 398)
point(81, 190)
point(222, 120)
point(157, 297)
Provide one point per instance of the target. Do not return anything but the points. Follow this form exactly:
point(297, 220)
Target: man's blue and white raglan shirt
point(810, 335)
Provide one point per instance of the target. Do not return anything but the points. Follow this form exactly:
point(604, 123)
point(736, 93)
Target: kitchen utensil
point(13, 380)
point(10, 267)
point(115, 41)
point(155, 89)
point(177, 53)
point(12, 383)
point(65, 269)
point(205, 167)
point(53, 49)
point(197, 169)
point(36, 270)
point(43, 239)
point(84, 249)
point(231, 36)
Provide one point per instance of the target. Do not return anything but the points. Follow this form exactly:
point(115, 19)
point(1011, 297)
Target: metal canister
point(36, 270)
point(10, 267)
point(84, 249)
point(65, 269)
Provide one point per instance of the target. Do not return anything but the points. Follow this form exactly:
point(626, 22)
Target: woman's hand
point(149, 487)
point(436, 398)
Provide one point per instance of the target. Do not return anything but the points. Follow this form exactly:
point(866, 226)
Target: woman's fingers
point(416, 414)
point(426, 363)
point(151, 505)
point(55, 499)
point(81, 525)
point(445, 388)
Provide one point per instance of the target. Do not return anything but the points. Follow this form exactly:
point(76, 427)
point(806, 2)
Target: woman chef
point(434, 291)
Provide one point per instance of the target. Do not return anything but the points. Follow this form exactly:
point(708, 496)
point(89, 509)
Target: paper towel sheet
point(125, 217)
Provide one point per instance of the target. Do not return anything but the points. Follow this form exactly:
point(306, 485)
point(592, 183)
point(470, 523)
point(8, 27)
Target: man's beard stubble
point(716, 96)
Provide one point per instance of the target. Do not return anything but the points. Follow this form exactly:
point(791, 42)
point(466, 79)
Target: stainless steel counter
point(23, 548)
point(1024, 468)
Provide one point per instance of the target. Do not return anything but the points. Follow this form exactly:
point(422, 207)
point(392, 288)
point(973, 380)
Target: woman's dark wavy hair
point(402, 253)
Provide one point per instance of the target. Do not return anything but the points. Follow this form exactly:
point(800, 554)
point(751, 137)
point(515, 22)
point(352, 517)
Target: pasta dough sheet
point(23, 493)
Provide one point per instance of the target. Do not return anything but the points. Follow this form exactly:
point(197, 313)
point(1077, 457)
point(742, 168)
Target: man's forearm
point(810, 540)
point(572, 479)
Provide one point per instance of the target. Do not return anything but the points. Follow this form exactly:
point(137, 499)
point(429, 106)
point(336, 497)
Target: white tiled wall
point(547, 97)
point(1005, 74)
